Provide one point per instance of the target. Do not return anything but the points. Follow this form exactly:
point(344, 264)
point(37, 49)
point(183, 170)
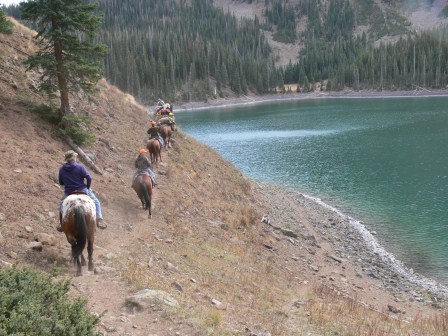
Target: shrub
point(31, 303)
point(76, 127)
point(47, 113)
point(5, 24)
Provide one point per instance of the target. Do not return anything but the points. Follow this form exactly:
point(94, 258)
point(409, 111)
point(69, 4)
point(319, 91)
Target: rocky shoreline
point(251, 99)
point(352, 244)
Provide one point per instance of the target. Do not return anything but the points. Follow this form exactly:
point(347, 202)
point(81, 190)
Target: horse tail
point(146, 194)
point(81, 232)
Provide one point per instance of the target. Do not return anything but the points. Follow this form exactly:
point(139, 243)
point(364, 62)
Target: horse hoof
point(91, 267)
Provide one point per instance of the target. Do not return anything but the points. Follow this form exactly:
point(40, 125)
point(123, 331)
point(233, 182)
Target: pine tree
point(68, 56)
point(5, 24)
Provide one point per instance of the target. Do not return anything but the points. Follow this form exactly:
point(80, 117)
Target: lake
point(380, 160)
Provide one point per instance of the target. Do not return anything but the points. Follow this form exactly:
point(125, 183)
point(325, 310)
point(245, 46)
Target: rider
point(153, 132)
point(160, 104)
point(74, 176)
point(143, 165)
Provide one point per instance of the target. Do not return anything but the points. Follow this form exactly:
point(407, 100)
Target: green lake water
point(383, 161)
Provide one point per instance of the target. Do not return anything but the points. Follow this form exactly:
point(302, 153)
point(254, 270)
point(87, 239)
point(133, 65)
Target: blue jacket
point(72, 175)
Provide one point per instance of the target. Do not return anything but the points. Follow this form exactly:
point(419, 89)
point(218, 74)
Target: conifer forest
point(191, 50)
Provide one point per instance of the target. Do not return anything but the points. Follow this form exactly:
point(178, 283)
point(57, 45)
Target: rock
point(177, 286)
point(268, 246)
point(4, 264)
point(218, 304)
point(393, 309)
point(110, 256)
point(2, 217)
point(170, 267)
point(51, 214)
point(45, 239)
point(18, 170)
point(336, 258)
point(256, 332)
point(289, 233)
point(39, 216)
point(299, 303)
point(149, 297)
point(28, 229)
point(109, 328)
point(36, 246)
point(104, 270)
point(12, 255)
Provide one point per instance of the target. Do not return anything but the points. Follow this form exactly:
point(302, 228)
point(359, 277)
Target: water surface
point(384, 161)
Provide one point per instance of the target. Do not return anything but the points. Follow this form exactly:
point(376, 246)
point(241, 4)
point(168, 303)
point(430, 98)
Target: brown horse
point(155, 151)
point(143, 187)
point(78, 224)
point(165, 132)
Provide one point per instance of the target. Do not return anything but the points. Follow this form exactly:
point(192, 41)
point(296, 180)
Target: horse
point(78, 224)
point(165, 132)
point(155, 152)
point(143, 187)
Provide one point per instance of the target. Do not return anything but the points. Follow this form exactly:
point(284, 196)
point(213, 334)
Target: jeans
point(143, 170)
point(89, 192)
point(158, 137)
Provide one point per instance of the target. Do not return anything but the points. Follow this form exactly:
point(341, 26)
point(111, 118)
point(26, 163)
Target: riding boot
point(100, 224)
point(59, 228)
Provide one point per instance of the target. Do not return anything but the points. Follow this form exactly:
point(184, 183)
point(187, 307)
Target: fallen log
point(83, 155)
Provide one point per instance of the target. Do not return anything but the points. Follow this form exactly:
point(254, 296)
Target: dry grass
point(217, 253)
point(348, 316)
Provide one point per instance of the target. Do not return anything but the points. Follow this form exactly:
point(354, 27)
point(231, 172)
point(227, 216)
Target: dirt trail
point(129, 226)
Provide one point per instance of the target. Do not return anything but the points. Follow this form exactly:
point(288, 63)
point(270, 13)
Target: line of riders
point(75, 178)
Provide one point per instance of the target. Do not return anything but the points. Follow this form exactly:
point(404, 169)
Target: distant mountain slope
point(415, 15)
point(186, 51)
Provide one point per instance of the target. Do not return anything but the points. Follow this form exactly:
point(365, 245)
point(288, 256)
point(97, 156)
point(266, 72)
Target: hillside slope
point(420, 16)
point(205, 246)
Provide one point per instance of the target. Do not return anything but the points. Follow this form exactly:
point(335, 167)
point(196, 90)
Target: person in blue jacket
point(75, 177)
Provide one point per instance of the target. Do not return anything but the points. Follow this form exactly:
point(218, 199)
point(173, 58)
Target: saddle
point(78, 192)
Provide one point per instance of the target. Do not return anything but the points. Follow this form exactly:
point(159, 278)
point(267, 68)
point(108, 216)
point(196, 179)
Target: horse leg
point(83, 260)
point(78, 266)
point(90, 253)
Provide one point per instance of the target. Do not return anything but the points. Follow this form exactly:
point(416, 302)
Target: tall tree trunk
point(60, 71)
